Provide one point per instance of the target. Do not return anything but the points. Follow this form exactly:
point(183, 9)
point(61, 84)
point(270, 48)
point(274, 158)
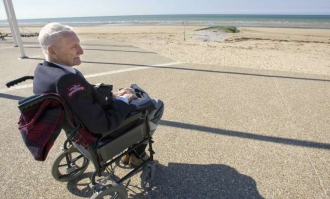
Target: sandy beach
point(283, 49)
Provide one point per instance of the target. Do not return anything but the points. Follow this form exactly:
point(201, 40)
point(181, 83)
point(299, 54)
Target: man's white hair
point(49, 33)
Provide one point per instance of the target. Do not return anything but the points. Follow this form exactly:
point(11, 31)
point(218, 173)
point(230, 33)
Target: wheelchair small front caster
point(148, 175)
point(111, 191)
point(69, 165)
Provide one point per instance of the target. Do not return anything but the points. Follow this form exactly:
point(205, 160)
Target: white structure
point(14, 26)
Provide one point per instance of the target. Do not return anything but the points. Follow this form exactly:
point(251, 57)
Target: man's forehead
point(70, 37)
point(69, 34)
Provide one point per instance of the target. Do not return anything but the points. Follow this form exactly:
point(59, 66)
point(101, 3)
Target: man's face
point(67, 50)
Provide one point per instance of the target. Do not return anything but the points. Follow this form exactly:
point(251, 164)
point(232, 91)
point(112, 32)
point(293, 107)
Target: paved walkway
point(226, 132)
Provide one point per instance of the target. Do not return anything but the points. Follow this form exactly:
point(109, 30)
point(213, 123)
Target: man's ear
point(51, 51)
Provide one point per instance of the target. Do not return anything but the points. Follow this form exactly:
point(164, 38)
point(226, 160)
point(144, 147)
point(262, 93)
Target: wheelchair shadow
point(80, 186)
point(178, 180)
point(200, 181)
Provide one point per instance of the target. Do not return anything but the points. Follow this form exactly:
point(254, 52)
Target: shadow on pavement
point(12, 97)
point(83, 44)
point(211, 71)
point(279, 140)
point(129, 51)
point(80, 186)
point(179, 180)
point(201, 70)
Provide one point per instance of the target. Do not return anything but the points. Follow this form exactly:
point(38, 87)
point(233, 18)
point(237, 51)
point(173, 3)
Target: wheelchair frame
point(105, 155)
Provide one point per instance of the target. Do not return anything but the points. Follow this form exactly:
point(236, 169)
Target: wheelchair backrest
point(40, 122)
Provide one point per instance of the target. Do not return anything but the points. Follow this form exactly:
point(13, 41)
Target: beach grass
point(228, 29)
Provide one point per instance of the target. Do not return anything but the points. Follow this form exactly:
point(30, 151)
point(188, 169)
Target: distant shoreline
point(267, 21)
point(141, 25)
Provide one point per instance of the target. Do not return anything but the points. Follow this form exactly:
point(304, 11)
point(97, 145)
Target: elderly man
point(62, 50)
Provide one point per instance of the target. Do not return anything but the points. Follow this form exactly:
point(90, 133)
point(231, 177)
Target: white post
point(15, 27)
point(184, 32)
point(10, 25)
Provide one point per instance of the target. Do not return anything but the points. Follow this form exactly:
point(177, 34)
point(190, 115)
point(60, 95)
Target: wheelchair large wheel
point(69, 165)
point(111, 191)
point(148, 175)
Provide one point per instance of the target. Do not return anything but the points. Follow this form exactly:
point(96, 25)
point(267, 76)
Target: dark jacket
point(87, 104)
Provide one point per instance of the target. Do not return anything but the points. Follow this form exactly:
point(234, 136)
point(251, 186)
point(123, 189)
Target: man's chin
point(77, 62)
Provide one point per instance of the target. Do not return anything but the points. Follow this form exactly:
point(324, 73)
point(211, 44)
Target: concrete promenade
point(226, 132)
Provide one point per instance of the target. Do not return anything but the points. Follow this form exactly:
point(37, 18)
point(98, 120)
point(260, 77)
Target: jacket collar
point(47, 63)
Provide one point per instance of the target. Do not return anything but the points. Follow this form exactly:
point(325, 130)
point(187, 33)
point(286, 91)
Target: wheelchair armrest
point(131, 118)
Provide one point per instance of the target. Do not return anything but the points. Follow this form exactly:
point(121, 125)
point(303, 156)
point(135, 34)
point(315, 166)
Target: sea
point(238, 20)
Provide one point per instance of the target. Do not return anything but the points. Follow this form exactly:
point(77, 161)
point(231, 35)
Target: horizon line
point(282, 14)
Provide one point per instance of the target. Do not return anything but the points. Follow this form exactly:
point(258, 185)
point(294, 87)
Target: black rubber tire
point(77, 162)
point(111, 191)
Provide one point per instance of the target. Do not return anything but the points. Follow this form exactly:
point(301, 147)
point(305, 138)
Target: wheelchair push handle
point(19, 80)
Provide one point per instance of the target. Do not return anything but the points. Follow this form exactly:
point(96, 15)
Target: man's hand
point(123, 92)
point(130, 96)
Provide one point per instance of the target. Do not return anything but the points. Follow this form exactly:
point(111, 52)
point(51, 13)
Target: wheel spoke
point(65, 168)
point(63, 165)
point(77, 158)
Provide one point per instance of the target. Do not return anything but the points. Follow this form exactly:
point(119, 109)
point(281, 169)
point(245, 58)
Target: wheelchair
point(74, 159)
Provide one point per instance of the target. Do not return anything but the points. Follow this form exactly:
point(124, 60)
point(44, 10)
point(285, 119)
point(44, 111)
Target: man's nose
point(81, 51)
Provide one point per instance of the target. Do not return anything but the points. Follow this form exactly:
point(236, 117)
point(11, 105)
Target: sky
point(34, 9)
